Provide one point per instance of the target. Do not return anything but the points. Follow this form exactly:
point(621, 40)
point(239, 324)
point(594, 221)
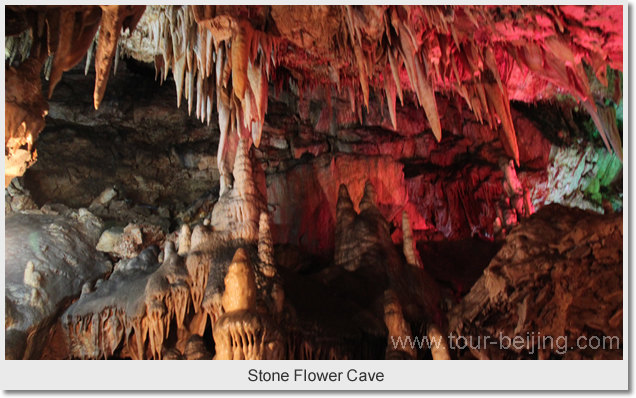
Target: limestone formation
point(129, 241)
point(238, 210)
point(236, 221)
point(185, 237)
point(195, 42)
point(25, 109)
point(399, 344)
point(48, 260)
point(241, 332)
point(130, 313)
point(365, 250)
point(363, 240)
point(288, 207)
point(410, 251)
point(554, 278)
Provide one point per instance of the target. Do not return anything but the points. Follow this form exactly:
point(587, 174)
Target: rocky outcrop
point(17, 199)
point(49, 260)
point(130, 313)
point(131, 240)
point(584, 178)
point(25, 109)
point(555, 288)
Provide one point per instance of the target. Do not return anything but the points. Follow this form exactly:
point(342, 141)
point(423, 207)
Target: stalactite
point(113, 19)
point(390, 91)
point(501, 104)
point(393, 64)
point(607, 116)
point(95, 323)
point(198, 264)
point(66, 25)
point(240, 50)
point(427, 99)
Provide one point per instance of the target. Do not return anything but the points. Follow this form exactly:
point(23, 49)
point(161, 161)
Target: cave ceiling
point(225, 58)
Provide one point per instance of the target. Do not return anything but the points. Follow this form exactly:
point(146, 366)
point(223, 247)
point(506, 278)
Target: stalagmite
point(439, 343)
point(345, 216)
point(223, 108)
point(184, 240)
point(265, 246)
point(400, 344)
point(241, 332)
point(369, 198)
point(410, 251)
point(238, 210)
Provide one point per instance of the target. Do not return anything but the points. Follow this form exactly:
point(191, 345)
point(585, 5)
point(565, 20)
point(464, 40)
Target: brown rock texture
point(559, 275)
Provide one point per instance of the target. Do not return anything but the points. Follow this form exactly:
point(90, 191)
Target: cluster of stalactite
point(228, 55)
point(227, 60)
point(56, 39)
point(432, 44)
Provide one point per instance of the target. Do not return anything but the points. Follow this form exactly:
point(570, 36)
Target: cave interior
point(313, 182)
